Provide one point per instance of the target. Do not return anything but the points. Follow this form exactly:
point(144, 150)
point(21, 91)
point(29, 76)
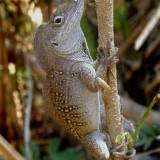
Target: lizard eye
point(58, 20)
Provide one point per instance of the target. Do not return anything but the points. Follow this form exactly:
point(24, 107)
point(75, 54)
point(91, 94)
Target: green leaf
point(54, 145)
point(148, 131)
point(22, 73)
point(68, 154)
point(147, 136)
point(34, 151)
point(156, 128)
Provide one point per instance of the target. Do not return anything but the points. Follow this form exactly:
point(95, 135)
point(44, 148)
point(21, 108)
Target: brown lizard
point(71, 88)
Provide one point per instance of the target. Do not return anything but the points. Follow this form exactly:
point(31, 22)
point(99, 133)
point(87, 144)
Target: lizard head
point(62, 33)
point(65, 26)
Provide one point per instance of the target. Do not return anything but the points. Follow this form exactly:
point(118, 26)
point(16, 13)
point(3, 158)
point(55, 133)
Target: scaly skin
point(71, 87)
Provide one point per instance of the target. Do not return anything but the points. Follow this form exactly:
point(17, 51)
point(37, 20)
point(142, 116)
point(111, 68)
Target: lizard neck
point(77, 55)
point(64, 62)
point(78, 52)
point(69, 52)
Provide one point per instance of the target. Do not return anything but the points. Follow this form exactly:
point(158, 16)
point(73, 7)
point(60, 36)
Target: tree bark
point(106, 42)
point(111, 100)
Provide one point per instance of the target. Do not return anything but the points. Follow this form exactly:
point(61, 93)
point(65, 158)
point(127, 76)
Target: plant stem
point(106, 43)
point(143, 118)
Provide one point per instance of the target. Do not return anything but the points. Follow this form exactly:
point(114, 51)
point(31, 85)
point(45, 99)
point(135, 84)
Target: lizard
point(71, 88)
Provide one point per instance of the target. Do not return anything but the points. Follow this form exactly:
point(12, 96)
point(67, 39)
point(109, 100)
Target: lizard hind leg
point(95, 144)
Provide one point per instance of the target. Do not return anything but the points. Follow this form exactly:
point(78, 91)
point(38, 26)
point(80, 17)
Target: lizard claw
point(106, 60)
point(112, 59)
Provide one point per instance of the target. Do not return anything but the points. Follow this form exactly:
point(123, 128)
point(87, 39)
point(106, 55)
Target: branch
point(148, 29)
point(111, 100)
point(105, 26)
point(7, 152)
point(27, 115)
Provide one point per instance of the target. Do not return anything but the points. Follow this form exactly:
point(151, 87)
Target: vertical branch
point(111, 99)
point(105, 22)
point(106, 42)
point(28, 108)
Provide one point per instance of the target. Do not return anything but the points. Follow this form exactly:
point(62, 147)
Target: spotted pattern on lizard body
point(71, 88)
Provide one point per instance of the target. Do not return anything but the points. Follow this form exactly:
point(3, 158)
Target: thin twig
point(131, 39)
point(148, 29)
point(152, 47)
point(27, 115)
point(7, 152)
point(144, 116)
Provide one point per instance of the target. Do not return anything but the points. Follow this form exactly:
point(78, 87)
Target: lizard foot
point(106, 60)
point(96, 145)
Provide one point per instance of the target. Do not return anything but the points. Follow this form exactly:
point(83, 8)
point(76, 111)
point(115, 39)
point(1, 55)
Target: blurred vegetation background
point(22, 111)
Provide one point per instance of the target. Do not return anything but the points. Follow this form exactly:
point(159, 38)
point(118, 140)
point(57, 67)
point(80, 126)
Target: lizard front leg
point(88, 76)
